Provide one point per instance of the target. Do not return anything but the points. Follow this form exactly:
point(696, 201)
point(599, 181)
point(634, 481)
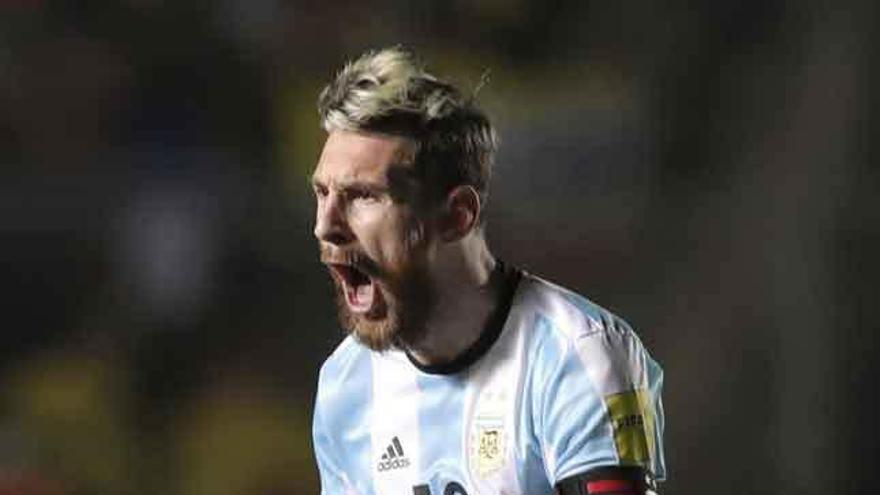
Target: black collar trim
point(510, 280)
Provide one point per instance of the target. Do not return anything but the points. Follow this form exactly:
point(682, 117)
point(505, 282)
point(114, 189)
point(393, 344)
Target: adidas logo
point(393, 458)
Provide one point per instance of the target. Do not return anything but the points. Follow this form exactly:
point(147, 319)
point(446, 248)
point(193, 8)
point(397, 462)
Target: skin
point(367, 207)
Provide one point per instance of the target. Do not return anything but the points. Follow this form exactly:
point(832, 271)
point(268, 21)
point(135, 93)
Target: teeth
point(347, 274)
point(353, 276)
point(358, 277)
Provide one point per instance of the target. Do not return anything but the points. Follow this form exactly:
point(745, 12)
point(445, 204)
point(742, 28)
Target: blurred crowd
point(702, 169)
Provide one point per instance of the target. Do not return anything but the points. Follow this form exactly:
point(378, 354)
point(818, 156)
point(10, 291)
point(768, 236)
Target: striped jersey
point(555, 387)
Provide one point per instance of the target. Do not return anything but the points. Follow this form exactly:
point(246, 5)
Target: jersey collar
point(510, 277)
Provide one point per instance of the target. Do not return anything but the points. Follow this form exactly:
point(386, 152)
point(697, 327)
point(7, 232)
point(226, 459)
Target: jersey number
point(453, 488)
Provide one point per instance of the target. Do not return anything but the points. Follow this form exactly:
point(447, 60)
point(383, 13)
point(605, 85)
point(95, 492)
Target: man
point(462, 375)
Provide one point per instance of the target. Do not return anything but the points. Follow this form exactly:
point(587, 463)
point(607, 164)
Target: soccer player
point(461, 374)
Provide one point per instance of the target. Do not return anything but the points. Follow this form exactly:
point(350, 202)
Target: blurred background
point(705, 169)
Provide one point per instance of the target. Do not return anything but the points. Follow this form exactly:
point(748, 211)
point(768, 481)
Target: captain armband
point(610, 480)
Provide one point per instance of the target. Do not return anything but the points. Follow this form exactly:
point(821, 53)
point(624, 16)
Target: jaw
point(364, 313)
point(382, 311)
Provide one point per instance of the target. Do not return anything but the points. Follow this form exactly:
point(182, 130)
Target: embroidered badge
point(490, 444)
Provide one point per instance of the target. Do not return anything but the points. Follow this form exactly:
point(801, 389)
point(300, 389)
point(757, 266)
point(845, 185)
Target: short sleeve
point(598, 402)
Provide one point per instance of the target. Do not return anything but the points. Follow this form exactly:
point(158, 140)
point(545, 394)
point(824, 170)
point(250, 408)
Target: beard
point(407, 298)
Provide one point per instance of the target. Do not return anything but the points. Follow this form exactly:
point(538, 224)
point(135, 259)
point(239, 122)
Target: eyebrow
point(353, 185)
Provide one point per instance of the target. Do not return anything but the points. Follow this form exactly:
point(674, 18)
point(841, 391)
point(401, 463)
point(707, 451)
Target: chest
point(463, 434)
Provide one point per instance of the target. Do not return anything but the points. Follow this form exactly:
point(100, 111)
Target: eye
point(362, 195)
point(320, 190)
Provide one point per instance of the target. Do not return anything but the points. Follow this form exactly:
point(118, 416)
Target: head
point(403, 177)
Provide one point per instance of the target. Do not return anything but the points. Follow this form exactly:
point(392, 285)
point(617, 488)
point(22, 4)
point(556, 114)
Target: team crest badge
point(488, 446)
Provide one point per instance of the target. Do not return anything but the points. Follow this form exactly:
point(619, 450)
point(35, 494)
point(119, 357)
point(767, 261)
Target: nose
point(331, 225)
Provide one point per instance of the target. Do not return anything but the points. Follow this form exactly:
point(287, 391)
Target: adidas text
point(393, 464)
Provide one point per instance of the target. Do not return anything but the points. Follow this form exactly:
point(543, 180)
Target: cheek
point(396, 244)
point(377, 229)
point(389, 238)
point(410, 242)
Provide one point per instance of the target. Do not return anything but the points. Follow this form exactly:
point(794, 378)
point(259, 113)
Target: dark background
point(705, 169)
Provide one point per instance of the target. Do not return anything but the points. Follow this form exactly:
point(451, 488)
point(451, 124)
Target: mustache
point(355, 259)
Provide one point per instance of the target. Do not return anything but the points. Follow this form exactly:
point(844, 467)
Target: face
point(375, 246)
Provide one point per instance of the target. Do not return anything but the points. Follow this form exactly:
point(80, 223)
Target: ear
point(461, 214)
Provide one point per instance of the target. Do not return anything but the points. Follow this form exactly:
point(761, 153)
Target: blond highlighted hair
point(389, 91)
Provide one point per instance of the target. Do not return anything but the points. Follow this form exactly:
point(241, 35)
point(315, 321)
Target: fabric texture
point(566, 387)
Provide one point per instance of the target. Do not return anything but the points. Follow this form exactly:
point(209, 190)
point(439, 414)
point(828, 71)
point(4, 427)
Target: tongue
point(360, 298)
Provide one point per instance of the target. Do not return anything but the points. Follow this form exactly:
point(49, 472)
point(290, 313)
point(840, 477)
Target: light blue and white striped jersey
point(561, 387)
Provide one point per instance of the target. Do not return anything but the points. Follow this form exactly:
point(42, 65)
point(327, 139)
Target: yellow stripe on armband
point(633, 422)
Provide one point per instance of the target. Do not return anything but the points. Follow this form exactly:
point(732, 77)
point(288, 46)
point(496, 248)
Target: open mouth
point(361, 293)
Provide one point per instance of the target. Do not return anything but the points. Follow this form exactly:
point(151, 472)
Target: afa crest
point(488, 446)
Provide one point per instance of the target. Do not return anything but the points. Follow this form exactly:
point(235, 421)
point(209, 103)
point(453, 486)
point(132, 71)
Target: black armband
point(609, 480)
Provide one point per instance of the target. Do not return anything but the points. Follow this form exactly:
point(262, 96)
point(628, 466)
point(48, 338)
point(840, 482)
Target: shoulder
point(572, 334)
point(568, 315)
point(595, 389)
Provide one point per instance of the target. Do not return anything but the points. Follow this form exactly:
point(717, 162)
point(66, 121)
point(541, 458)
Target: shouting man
point(461, 374)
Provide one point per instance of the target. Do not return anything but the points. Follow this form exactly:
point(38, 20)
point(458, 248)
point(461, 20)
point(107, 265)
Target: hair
point(389, 91)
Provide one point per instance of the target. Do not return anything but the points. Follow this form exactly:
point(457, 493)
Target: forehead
point(349, 156)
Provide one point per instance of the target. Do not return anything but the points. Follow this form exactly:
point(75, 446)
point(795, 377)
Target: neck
point(466, 297)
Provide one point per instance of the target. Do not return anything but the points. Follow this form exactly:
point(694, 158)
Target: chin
point(397, 326)
point(378, 336)
point(377, 332)
point(382, 311)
